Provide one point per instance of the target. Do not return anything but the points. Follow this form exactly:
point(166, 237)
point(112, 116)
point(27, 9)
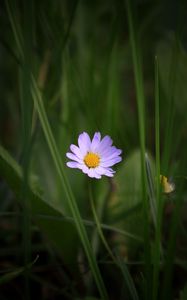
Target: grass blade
point(159, 204)
point(141, 122)
point(151, 191)
point(72, 203)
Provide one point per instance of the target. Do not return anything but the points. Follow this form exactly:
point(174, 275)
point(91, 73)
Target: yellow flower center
point(92, 160)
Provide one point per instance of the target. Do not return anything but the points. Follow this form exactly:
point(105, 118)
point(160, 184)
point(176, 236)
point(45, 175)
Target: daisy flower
point(94, 157)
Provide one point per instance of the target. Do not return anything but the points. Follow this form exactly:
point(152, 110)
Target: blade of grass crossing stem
point(128, 279)
point(72, 203)
point(15, 29)
point(141, 121)
point(151, 191)
point(157, 246)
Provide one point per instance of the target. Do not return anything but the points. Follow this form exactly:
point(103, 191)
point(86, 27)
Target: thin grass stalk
point(98, 224)
point(141, 122)
point(72, 203)
point(170, 107)
point(157, 246)
point(151, 191)
point(14, 24)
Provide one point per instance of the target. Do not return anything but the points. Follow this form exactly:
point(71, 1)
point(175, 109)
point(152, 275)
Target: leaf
point(54, 229)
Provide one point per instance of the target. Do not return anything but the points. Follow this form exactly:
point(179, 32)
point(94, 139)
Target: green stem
point(98, 224)
point(157, 246)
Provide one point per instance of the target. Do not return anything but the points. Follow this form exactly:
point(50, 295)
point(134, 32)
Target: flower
point(94, 157)
point(167, 186)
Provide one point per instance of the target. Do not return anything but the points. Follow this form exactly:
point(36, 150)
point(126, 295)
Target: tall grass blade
point(159, 204)
point(141, 122)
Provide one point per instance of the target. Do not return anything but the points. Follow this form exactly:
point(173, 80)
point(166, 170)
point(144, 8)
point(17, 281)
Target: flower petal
point(104, 144)
point(84, 143)
point(111, 153)
point(109, 174)
point(76, 151)
point(73, 164)
point(104, 171)
point(73, 157)
point(110, 162)
point(95, 141)
point(85, 169)
point(93, 174)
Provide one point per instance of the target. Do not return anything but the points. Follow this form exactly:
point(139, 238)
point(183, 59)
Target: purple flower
point(94, 157)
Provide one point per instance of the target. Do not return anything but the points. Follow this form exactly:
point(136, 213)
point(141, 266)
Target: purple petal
point(73, 164)
point(104, 171)
point(97, 176)
point(111, 162)
point(85, 169)
point(93, 174)
point(109, 174)
point(84, 142)
point(73, 157)
point(95, 141)
point(104, 144)
point(76, 151)
point(111, 153)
